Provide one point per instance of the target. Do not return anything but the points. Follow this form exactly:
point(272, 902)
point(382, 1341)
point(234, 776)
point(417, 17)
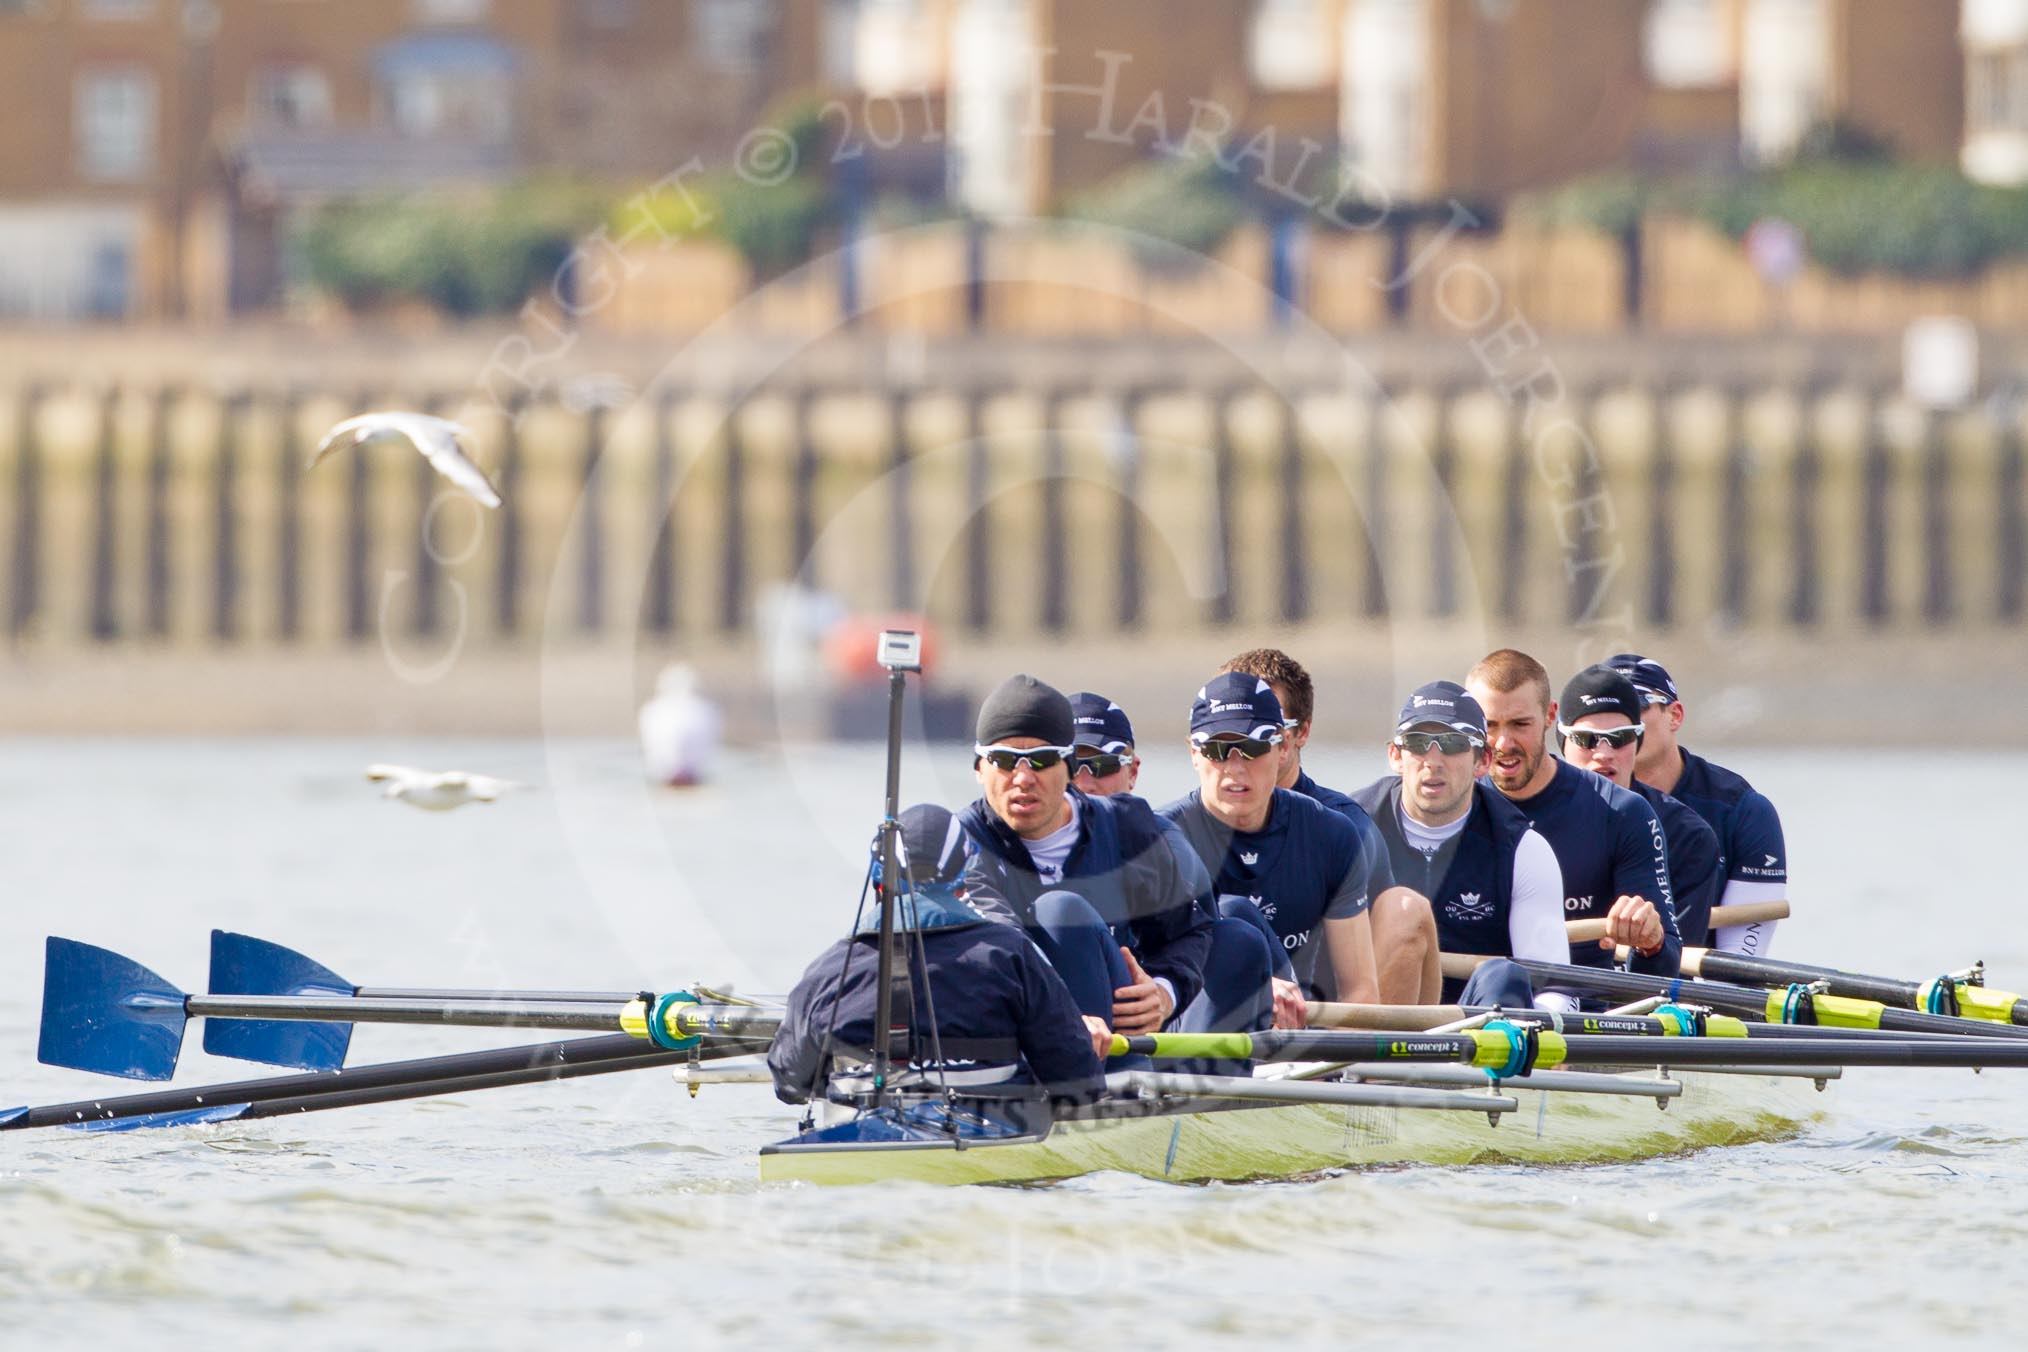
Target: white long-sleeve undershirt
point(1749, 941)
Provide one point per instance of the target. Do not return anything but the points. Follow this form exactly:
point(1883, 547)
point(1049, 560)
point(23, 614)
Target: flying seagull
point(438, 792)
point(436, 438)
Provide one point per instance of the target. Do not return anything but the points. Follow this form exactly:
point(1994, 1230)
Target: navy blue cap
point(1233, 701)
point(1101, 723)
point(933, 847)
point(1650, 677)
point(1445, 704)
point(1599, 690)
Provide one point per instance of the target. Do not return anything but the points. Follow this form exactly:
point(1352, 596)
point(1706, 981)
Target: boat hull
point(1217, 1143)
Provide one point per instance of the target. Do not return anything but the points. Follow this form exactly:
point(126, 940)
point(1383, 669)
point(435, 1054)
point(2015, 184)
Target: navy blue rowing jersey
point(1695, 872)
point(1469, 881)
point(1379, 867)
point(1609, 844)
point(1304, 867)
point(1750, 846)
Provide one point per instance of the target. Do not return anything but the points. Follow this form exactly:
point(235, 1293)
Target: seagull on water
point(436, 438)
point(436, 791)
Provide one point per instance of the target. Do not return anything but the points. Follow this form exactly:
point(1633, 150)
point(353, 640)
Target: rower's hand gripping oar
point(107, 1014)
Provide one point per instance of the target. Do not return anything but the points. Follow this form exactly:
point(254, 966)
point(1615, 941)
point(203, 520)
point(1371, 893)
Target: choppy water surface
point(616, 1211)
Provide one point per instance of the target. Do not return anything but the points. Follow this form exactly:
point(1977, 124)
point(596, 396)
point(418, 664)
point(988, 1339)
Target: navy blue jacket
point(1470, 881)
point(1609, 844)
point(1305, 866)
point(1750, 846)
point(1152, 894)
point(1003, 1015)
point(1695, 874)
point(1379, 866)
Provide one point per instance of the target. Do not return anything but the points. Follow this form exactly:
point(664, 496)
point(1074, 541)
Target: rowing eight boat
point(1180, 1138)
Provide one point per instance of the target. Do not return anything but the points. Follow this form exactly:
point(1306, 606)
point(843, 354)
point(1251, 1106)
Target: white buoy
point(679, 729)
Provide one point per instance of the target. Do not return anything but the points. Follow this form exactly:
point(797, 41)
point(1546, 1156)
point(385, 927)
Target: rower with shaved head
point(1752, 856)
point(1608, 841)
point(1405, 945)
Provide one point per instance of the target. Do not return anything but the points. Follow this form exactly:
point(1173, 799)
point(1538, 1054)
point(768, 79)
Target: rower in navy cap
point(1752, 856)
point(989, 1017)
point(1279, 861)
point(1493, 882)
point(1103, 762)
point(1602, 733)
point(1405, 947)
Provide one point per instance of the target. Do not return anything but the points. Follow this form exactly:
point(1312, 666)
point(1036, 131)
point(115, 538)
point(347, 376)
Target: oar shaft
point(1959, 1053)
point(1431, 1018)
point(1497, 1049)
point(643, 1057)
point(498, 1059)
point(355, 1009)
point(470, 993)
point(1975, 1002)
point(1740, 1001)
point(688, 1020)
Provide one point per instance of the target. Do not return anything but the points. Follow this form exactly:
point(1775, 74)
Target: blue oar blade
point(244, 965)
point(182, 1117)
point(106, 1014)
point(12, 1115)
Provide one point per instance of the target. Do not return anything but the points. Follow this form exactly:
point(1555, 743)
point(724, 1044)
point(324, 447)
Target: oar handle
point(1746, 913)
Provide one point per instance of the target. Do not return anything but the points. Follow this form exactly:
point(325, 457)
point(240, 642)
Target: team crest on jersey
point(1468, 906)
point(1252, 857)
point(1266, 907)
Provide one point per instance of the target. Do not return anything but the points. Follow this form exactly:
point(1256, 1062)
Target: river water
point(617, 1212)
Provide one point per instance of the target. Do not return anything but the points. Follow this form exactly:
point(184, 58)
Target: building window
point(1684, 44)
point(289, 97)
point(114, 120)
point(609, 14)
point(728, 33)
point(992, 165)
point(474, 107)
point(1784, 76)
point(1996, 90)
point(1287, 47)
point(1383, 111)
point(449, 11)
point(879, 46)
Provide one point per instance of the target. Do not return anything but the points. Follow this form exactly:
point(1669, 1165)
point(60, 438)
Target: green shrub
point(1858, 213)
point(1191, 204)
point(465, 253)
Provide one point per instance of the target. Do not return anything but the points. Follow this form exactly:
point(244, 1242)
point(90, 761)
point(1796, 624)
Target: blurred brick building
point(154, 152)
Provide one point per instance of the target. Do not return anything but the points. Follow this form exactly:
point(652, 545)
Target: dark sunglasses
point(1587, 738)
point(1011, 758)
point(1250, 748)
point(1100, 766)
point(1450, 743)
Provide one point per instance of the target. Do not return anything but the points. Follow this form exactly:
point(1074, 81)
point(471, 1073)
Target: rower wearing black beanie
point(1124, 915)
